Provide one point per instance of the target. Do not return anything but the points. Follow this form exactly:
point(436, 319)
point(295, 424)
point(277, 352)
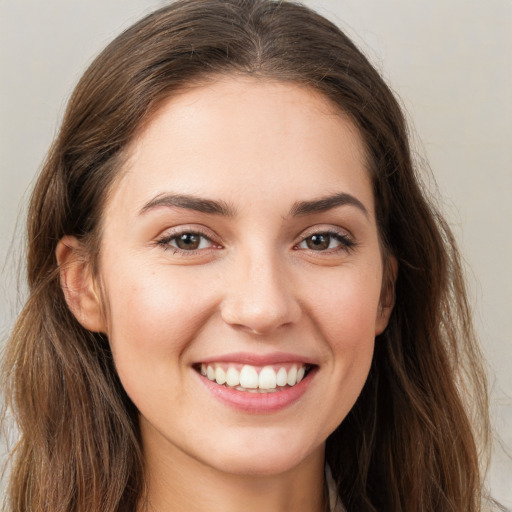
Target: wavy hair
point(413, 440)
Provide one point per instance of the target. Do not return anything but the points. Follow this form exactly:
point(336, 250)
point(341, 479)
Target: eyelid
point(328, 229)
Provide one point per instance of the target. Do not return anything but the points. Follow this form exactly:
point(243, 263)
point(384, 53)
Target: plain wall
point(450, 62)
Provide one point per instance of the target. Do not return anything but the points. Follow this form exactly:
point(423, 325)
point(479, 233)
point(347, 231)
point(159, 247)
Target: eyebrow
point(190, 203)
point(225, 209)
point(323, 204)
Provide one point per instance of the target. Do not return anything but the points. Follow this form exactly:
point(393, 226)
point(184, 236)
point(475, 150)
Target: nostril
point(258, 323)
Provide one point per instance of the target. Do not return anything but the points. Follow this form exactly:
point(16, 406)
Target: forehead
point(242, 138)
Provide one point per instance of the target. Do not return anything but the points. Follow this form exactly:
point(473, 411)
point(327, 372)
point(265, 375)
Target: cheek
point(344, 310)
point(345, 305)
point(152, 317)
point(157, 303)
point(151, 323)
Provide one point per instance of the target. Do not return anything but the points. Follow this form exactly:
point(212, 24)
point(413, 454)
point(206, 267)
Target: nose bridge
point(259, 297)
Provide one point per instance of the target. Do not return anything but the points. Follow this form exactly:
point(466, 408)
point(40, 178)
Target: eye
point(187, 241)
point(326, 241)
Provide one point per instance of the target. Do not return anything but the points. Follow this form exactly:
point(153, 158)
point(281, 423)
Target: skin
point(255, 286)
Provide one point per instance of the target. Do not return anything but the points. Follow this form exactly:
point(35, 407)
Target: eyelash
point(347, 244)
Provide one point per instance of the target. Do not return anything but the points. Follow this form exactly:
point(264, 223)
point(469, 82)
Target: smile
point(255, 379)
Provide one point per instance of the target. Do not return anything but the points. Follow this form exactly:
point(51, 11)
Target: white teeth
point(232, 377)
point(292, 376)
point(248, 377)
point(282, 377)
point(220, 375)
point(267, 378)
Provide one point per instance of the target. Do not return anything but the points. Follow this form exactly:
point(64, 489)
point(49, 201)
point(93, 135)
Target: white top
point(335, 504)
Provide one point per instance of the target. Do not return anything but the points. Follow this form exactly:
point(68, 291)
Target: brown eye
point(327, 241)
point(188, 241)
point(318, 242)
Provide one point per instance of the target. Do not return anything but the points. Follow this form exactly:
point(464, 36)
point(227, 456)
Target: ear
point(78, 285)
point(387, 296)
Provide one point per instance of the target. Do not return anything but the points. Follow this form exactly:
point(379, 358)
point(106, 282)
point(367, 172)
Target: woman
point(240, 295)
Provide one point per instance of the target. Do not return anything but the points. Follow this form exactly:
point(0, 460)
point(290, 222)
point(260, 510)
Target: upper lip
point(259, 359)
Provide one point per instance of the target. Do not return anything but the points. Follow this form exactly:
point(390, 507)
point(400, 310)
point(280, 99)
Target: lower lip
point(258, 402)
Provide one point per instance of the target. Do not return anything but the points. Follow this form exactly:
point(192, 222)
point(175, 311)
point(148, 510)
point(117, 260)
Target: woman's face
point(241, 242)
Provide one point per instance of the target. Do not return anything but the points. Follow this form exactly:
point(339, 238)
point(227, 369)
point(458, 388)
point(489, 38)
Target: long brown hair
point(409, 444)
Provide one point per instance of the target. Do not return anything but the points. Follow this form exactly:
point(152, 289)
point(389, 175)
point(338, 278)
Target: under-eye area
point(255, 379)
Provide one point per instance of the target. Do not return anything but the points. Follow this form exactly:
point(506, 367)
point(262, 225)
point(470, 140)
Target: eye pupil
point(318, 242)
point(188, 241)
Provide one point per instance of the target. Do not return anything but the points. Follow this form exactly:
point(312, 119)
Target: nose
point(259, 296)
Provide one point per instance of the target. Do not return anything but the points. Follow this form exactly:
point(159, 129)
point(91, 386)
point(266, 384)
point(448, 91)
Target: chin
point(260, 455)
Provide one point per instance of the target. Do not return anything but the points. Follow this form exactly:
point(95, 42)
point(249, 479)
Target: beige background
point(450, 61)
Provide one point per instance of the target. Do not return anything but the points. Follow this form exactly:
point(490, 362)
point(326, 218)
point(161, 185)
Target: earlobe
point(387, 297)
point(78, 284)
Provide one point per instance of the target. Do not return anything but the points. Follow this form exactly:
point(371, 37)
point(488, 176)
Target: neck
point(177, 482)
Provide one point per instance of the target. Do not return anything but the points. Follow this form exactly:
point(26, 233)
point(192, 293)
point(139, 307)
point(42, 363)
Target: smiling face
point(241, 243)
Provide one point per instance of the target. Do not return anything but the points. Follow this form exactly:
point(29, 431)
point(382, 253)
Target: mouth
point(255, 379)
